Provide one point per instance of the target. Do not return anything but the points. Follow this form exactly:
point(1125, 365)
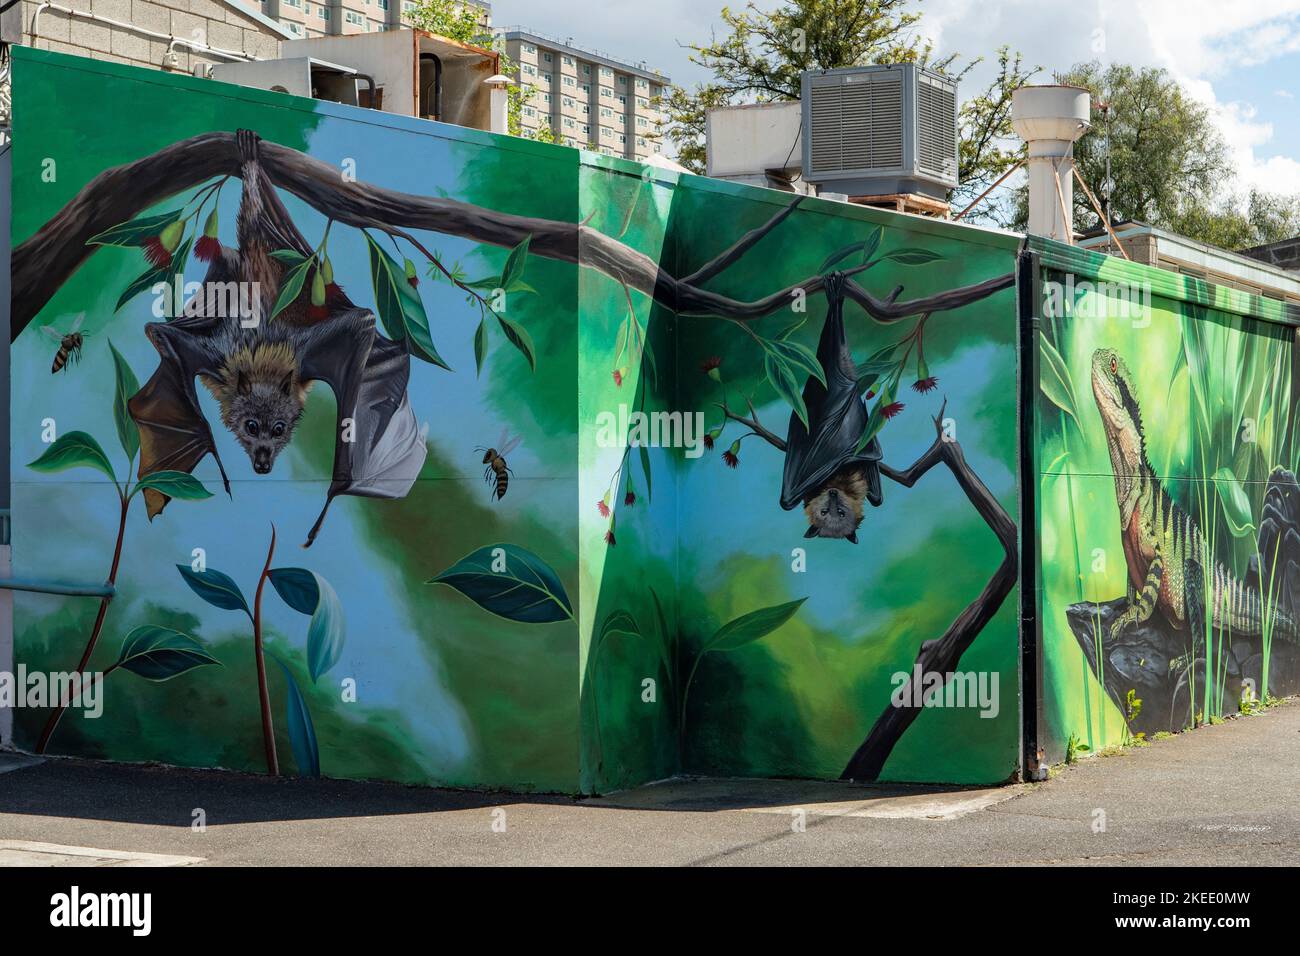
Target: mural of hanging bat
point(260, 375)
point(823, 467)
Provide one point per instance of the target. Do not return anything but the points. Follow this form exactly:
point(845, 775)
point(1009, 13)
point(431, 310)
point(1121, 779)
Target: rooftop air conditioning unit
point(880, 130)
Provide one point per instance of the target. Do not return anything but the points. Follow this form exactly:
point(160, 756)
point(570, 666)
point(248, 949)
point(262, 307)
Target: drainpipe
point(1050, 119)
point(436, 112)
point(172, 41)
point(6, 632)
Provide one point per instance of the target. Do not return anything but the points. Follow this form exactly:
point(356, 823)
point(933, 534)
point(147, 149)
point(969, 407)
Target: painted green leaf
point(869, 372)
point(290, 257)
point(525, 589)
point(400, 308)
point(480, 346)
point(648, 360)
point(1180, 364)
point(1054, 378)
point(419, 337)
point(136, 231)
point(73, 450)
point(302, 733)
point(798, 358)
point(216, 588)
point(297, 587)
point(1236, 506)
point(793, 327)
point(146, 280)
point(882, 354)
point(174, 484)
point(520, 339)
point(621, 338)
point(160, 653)
point(325, 634)
point(876, 419)
point(867, 247)
point(665, 638)
point(291, 284)
point(839, 256)
point(910, 256)
point(750, 627)
point(786, 385)
point(513, 271)
point(309, 593)
point(618, 622)
point(165, 275)
point(645, 470)
point(1054, 469)
point(872, 244)
point(125, 385)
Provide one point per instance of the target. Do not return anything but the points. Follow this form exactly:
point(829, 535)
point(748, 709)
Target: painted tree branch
point(730, 256)
point(754, 425)
point(942, 655)
point(43, 262)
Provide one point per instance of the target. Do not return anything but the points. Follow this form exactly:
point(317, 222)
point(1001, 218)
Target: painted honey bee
point(70, 343)
point(497, 472)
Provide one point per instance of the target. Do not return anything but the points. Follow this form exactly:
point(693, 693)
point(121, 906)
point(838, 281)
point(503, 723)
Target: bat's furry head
point(261, 399)
point(835, 509)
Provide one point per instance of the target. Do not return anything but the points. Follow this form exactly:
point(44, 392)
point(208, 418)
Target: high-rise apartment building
point(310, 18)
point(586, 97)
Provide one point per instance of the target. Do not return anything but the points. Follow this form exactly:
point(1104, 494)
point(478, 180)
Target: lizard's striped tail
point(1275, 572)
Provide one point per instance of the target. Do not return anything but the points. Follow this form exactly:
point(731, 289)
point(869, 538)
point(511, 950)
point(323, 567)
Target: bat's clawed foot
point(247, 141)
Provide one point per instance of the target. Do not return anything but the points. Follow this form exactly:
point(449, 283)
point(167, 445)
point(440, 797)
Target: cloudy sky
point(1239, 57)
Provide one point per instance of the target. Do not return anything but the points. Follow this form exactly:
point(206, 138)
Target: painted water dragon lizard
point(1166, 553)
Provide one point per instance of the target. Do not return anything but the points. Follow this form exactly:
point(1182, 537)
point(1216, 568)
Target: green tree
point(764, 52)
point(1169, 165)
point(1241, 222)
point(460, 22)
point(1167, 160)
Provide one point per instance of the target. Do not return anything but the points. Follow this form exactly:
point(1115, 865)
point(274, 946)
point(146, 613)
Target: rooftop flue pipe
point(1050, 119)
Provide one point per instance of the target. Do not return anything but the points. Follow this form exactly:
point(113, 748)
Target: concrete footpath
point(1223, 796)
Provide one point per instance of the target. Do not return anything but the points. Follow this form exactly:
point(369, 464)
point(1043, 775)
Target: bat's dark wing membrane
point(174, 435)
point(837, 417)
point(379, 449)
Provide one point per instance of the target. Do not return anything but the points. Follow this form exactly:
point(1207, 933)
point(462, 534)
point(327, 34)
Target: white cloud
point(1199, 42)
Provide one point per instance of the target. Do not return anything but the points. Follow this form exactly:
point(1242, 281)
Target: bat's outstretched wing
point(837, 417)
point(379, 449)
point(174, 435)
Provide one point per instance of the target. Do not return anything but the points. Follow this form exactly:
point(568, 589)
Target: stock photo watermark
point(42, 689)
point(684, 430)
point(951, 690)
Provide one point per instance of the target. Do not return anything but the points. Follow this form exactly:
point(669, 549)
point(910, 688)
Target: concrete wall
point(209, 22)
point(1284, 254)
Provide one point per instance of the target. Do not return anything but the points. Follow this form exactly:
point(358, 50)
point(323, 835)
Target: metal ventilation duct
point(879, 130)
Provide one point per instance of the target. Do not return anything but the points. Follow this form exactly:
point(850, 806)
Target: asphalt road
point(1223, 796)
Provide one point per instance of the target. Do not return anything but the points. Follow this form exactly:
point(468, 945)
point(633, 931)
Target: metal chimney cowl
point(1050, 119)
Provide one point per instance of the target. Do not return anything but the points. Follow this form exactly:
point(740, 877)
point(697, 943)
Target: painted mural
point(326, 456)
point(860, 397)
point(1168, 508)
point(473, 461)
